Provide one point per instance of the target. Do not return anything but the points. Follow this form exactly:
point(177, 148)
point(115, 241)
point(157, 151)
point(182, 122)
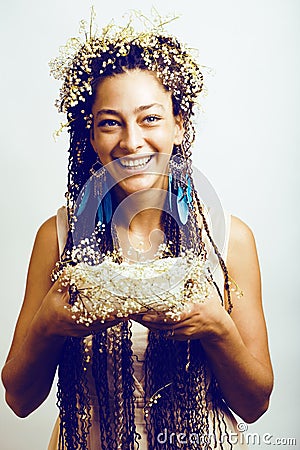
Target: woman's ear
point(179, 132)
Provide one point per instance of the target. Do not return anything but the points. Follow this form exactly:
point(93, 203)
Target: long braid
point(216, 250)
point(129, 436)
point(119, 425)
point(99, 367)
point(73, 396)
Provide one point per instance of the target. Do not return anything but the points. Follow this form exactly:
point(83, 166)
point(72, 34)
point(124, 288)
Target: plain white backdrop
point(247, 146)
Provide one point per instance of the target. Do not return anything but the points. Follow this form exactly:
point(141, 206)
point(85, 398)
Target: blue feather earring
point(100, 213)
point(104, 211)
point(178, 175)
point(184, 199)
point(182, 206)
point(170, 190)
point(107, 206)
point(189, 190)
point(84, 199)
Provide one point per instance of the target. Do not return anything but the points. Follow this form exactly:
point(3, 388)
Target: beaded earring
point(84, 199)
point(102, 193)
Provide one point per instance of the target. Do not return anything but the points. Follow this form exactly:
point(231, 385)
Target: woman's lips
point(136, 164)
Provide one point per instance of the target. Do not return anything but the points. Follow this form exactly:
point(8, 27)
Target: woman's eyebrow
point(145, 107)
point(107, 111)
point(137, 110)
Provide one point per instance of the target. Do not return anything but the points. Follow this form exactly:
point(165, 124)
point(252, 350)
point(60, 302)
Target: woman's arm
point(236, 345)
point(238, 352)
point(42, 326)
point(31, 363)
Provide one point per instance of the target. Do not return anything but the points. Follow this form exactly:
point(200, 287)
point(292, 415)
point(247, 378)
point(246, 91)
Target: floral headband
point(173, 62)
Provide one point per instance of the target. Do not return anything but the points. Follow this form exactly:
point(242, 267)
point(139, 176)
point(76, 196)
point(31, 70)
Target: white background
point(247, 146)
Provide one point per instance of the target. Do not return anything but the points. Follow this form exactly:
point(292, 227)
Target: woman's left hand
point(207, 320)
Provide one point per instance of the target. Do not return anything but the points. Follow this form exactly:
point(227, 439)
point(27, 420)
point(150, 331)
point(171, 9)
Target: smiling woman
point(142, 316)
point(134, 122)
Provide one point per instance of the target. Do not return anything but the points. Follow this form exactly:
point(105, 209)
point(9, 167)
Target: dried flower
point(167, 286)
point(173, 62)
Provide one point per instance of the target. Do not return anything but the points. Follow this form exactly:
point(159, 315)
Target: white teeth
point(135, 162)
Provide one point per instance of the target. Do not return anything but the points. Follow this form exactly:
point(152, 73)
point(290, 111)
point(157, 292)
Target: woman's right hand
point(55, 318)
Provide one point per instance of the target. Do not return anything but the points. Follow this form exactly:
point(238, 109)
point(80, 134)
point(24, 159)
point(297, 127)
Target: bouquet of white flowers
point(166, 286)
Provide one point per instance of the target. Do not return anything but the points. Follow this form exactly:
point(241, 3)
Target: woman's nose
point(132, 138)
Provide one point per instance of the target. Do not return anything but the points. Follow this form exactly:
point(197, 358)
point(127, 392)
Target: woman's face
point(135, 129)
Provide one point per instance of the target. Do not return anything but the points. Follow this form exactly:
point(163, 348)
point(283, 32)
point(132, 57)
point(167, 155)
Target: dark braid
point(99, 367)
point(128, 386)
point(73, 397)
point(221, 261)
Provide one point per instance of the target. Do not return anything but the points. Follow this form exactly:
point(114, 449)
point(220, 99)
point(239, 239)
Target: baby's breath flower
point(174, 63)
point(165, 285)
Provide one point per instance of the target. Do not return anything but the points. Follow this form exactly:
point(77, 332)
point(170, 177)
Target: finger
point(161, 318)
point(149, 317)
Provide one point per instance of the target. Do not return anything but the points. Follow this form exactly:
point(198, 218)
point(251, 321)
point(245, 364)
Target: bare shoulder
point(243, 266)
point(241, 234)
point(44, 255)
point(241, 246)
point(47, 235)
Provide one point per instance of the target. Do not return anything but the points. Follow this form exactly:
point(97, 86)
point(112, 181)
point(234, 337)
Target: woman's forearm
point(245, 382)
point(29, 374)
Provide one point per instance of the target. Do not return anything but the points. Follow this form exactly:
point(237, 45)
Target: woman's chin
point(138, 183)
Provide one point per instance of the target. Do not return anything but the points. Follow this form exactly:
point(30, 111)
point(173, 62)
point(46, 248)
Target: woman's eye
point(152, 119)
point(107, 123)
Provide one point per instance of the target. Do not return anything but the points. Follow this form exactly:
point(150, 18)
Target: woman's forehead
point(138, 87)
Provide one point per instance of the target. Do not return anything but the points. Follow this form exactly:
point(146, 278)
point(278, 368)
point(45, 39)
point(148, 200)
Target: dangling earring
point(178, 167)
point(107, 206)
point(84, 199)
point(189, 189)
point(97, 195)
point(183, 201)
point(104, 210)
point(170, 190)
point(100, 214)
point(182, 206)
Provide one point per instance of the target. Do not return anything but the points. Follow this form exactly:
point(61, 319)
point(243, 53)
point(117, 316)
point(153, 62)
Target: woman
point(130, 98)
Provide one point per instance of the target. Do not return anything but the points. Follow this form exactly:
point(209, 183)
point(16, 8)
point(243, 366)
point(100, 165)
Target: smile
point(134, 163)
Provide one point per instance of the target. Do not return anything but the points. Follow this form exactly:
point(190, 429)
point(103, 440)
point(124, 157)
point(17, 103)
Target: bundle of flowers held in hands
point(110, 289)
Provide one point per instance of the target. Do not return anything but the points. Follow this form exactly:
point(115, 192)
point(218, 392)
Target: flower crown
point(173, 62)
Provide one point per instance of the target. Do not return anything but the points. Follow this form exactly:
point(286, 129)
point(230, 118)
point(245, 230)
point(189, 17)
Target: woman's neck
point(139, 229)
point(140, 211)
